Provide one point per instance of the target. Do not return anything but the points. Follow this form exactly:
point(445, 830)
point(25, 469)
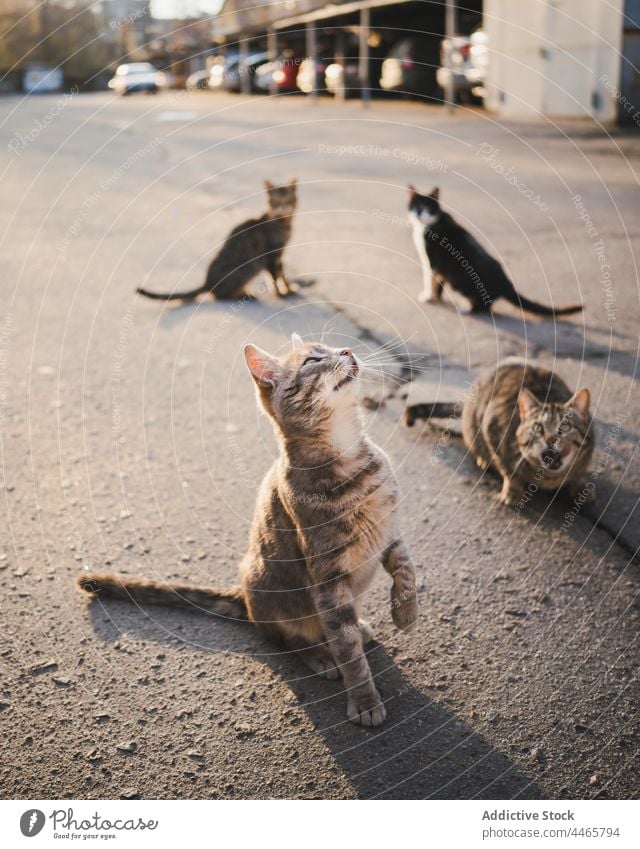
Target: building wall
point(559, 58)
point(629, 101)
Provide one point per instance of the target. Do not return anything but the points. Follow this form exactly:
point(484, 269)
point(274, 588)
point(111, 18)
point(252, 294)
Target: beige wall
point(547, 57)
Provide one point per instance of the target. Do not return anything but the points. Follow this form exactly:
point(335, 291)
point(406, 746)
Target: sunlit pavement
point(131, 442)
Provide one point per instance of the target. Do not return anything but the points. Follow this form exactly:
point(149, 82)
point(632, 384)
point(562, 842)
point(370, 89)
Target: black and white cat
point(450, 254)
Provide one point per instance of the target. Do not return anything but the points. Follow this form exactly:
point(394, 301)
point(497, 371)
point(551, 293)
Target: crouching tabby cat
point(324, 519)
point(254, 246)
point(522, 421)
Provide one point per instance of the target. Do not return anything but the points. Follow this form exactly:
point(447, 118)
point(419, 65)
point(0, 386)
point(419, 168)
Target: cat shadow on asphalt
point(259, 305)
point(422, 751)
point(564, 339)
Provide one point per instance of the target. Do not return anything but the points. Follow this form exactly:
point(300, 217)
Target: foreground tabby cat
point(325, 518)
point(450, 254)
point(254, 246)
point(522, 420)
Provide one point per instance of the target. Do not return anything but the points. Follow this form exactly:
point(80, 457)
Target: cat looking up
point(324, 520)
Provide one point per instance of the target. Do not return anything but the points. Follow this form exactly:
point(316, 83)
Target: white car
point(137, 76)
point(468, 57)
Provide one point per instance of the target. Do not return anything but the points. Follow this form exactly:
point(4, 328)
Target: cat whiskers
point(410, 364)
point(332, 323)
point(392, 345)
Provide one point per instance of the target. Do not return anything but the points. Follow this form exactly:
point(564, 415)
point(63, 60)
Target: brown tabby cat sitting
point(254, 246)
point(325, 518)
point(522, 420)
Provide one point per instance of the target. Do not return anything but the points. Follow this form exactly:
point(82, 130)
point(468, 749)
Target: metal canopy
point(335, 10)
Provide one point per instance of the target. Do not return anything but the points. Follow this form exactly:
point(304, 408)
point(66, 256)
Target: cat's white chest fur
point(418, 228)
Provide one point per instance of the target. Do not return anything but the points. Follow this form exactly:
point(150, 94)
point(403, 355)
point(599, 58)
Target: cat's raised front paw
point(404, 607)
point(366, 709)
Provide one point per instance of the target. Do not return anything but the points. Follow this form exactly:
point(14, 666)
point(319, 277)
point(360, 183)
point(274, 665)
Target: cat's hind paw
point(286, 288)
point(319, 660)
point(365, 630)
point(510, 497)
point(329, 671)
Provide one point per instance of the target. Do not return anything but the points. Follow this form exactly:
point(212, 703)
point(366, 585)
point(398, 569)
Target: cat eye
point(312, 360)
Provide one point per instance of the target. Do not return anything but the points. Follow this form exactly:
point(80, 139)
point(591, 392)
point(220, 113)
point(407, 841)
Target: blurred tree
point(71, 35)
point(18, 34)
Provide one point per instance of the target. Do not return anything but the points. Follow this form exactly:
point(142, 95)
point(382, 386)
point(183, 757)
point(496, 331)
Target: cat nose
point(551, 458)
point(346, 352)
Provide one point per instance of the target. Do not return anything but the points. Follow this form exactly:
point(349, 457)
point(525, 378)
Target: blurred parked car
point(137, 76)
point(311, 76)
point(344, 73)
point(342, 77)
point(347, 75)
point(282, 71)
point(198, 80)
point(221, 68)
point(469, 56)
point(42, 79)
point(410, 67)
point(245, 71)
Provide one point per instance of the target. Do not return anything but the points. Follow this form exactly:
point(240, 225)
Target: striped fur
point(325, 518)
point(523, 421)
point(227, 603)
point(252, 247)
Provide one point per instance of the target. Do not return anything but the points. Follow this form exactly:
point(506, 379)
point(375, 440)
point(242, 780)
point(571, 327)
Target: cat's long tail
point(539, 309)
point(228, 603)
point(431, 411)
point(173, 296)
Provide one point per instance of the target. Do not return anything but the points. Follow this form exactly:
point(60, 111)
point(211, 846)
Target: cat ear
point(412, 191)
point(268, 185)
point(296, 340)
point(527, 403)
point(580, 402)
point(263, 367)
point(435, 193)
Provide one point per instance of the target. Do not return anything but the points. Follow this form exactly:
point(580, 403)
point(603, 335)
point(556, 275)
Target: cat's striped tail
point(172, 296)
point(227, 603)
point(431, 411)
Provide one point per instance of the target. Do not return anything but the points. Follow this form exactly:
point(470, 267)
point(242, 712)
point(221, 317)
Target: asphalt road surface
point(130, 441)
